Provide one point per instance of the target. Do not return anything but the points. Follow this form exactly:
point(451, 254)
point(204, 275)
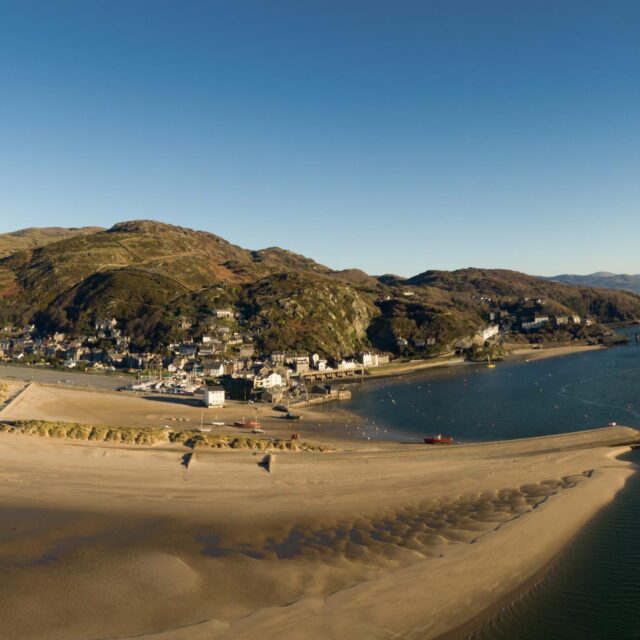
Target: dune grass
point(150, 436)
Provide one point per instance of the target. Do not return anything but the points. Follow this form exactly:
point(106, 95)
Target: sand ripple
point(425, 528)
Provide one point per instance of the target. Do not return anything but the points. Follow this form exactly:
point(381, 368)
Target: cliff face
point(157, 278)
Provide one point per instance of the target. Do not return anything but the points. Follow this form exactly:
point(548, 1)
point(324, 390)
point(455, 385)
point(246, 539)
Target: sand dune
point(100, 541)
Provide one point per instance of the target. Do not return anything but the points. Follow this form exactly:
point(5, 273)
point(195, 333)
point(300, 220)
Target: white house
point(223, 313)
point(489, 332)
point(213, 397)
point(268, 382)
point(213, 368)
point(369, 359)
point(530, 325)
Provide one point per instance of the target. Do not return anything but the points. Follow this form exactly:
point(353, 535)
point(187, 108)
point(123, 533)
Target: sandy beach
point(38, 401)
point(514, 351)
point(384, 541)
point(531, 353)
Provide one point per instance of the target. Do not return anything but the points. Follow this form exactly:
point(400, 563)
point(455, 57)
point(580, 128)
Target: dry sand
point(514, 349)
point(67, 404)
point(402, 541)
point(531, 353)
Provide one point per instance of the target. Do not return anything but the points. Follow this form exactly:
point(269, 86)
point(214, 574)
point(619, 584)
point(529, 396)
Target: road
point(71, 378)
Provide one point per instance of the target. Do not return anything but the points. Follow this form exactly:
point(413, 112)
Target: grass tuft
point(149, 436)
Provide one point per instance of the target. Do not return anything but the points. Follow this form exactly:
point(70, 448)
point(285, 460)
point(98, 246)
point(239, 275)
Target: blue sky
point(391, 136)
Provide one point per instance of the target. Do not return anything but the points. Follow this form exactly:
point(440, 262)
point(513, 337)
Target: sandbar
point(382, 541)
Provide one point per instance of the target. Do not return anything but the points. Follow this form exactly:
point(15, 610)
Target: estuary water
point(514, 400)
point(593, 591)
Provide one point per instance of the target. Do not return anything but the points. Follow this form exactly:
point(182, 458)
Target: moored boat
point(439, 439)
point(247, 424)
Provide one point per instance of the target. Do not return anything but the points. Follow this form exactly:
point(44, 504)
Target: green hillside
point(34, 237)
point(164, 283)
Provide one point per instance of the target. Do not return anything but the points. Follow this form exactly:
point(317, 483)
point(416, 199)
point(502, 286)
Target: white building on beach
point(213, 396)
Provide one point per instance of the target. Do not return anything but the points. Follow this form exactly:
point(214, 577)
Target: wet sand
point(381, 542)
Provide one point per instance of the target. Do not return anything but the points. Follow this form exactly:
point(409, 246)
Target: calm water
point(514, 400)
point(593, 591)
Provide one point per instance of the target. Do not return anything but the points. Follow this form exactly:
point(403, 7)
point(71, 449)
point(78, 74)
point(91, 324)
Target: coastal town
point(218, 354)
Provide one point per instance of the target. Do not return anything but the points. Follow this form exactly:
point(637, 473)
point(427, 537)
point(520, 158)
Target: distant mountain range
point(34, 237)
point(163, 283)
point(604, 279)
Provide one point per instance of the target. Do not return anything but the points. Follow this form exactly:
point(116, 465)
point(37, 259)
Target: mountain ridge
point(33, 237)
point(604, 279)
point(156, 278)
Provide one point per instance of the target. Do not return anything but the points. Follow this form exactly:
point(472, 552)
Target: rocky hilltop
point(164, 283)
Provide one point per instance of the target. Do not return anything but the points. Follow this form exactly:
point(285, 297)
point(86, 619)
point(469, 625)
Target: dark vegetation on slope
point(153, 276)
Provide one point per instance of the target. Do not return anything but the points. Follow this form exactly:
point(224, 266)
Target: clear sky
point(393, 136)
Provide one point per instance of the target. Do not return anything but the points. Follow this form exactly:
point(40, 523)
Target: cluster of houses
point(185, 367)
point(223, 353)
point(526, 317)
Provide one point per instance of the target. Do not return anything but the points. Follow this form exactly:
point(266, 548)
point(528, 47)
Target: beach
point(514, 351)
point(540, 353)
point(381, 541)
point(39, 401)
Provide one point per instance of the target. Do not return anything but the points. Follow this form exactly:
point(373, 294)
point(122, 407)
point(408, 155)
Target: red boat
point(248, 424)
point(439, 439)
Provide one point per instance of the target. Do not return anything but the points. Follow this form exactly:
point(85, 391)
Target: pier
point(332, 374)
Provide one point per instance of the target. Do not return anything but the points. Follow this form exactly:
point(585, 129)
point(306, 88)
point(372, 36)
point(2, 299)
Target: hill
point(164, 283)
point(150, 276)
point(507, 286)
point(603, 279)
point(33, 237)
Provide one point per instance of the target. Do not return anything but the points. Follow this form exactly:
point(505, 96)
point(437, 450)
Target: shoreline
point(332, 423)
point(522, 353)
point(489, 606)
point(227, 550)
point(477, 622)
